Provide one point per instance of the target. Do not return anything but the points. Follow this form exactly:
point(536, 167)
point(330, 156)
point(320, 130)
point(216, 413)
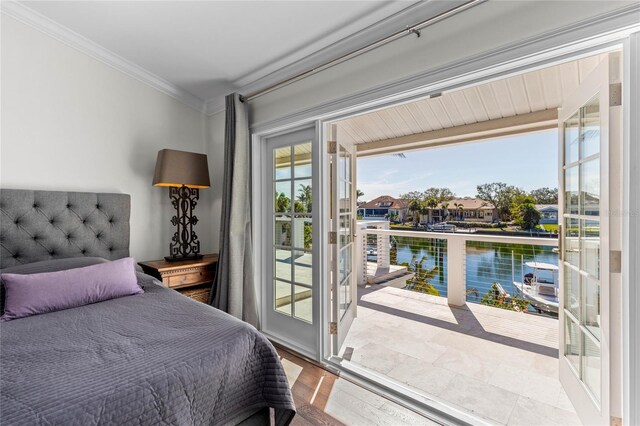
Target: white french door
point(585, 314)
point(342, 238)
point(289, 260)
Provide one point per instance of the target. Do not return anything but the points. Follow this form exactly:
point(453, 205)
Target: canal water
point(486, 263)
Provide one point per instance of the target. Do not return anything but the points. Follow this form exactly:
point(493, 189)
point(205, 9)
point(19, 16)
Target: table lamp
point(184, 173)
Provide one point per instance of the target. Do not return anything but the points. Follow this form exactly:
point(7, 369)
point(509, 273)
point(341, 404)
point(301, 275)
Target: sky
point(527, 161)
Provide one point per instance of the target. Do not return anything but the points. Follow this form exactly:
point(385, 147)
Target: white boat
point(540, 287)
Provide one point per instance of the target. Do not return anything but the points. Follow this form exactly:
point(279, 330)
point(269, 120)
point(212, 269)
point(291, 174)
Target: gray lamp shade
point(177, 168)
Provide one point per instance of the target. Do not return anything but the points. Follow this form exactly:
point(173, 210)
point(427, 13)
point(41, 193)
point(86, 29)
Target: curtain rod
point(414, 29)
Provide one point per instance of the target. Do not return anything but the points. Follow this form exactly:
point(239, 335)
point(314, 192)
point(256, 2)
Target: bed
point(151, 358)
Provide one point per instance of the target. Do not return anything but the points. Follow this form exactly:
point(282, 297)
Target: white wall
point(70, 122)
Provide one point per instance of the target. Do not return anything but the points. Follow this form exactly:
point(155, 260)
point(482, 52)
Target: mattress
point(153, 358)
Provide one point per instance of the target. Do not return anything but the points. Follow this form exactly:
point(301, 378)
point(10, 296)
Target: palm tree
point(424, 210)
point(431, 203)
point(445, 209)
point(305, 196)
point(414, 208)
point(359, 194)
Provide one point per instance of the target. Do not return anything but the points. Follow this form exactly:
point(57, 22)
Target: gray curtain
point(233, 289)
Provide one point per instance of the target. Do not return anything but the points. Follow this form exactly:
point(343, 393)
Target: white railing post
point(361, 247)
point(456, 280)
point(383, 248)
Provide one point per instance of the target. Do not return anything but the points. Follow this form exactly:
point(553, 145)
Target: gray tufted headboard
point(42, 225)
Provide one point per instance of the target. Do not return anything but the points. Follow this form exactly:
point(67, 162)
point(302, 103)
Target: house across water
point(383, 207)
point(457, 209)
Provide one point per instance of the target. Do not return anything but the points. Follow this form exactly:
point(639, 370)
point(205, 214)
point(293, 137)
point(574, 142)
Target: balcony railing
point(462, 267)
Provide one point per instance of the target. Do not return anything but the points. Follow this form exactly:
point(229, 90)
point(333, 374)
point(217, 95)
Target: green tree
point(421, 277)
point(500, 195)
point(545, 195)
point(414, 208)
point(283, 203)
point(445, 209)
point(440, 194)
point(524, 213)
point(413, 195)
point(305, 196)
point(359, 194)
point(424, 209)
point(430, 203)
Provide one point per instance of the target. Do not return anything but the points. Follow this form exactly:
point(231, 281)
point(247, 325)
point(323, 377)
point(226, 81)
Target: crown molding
point(214, 106)
point(61, 33)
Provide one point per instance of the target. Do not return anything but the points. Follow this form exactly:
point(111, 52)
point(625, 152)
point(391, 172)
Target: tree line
point(512, 203)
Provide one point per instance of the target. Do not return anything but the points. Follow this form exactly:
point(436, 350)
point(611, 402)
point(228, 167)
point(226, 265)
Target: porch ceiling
point(504, 106)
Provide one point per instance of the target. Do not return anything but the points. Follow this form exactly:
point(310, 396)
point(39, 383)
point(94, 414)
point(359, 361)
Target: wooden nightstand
point(193, 278)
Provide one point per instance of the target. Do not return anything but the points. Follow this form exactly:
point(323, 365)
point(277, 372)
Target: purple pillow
point(35, 294)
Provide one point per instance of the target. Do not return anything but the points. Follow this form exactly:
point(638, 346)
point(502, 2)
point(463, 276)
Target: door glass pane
point(571, 138)
point(345, 229)
point(303, 271)
point(344, 265)
point(572, 343)
point(302, 233)
point(591, 366)
point(571, 195)
point(572, 291)
point(345, 199)
point(303, 306)
point(282, 265)
point(282, 297)
point(302, 160)
point(590, 187)
point(303, 196)
point(282, 230)
point(572, 241)
point(590, 129)
point(592, 306)
point(282, 163)
point(590, 243)
point(282, 202)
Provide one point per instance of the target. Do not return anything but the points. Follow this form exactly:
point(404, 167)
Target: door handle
point(560, 248)
point(354, 222)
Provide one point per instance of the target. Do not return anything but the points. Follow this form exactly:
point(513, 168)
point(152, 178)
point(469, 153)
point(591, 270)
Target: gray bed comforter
point(153, 358)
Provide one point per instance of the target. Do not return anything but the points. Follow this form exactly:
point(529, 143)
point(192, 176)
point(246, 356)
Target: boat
point(540, 287)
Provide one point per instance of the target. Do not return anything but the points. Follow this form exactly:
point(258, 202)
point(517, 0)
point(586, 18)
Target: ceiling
point(518, 100)
point(210, 48)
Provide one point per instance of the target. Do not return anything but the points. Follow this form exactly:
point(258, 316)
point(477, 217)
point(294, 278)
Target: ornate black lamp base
point(184, 244)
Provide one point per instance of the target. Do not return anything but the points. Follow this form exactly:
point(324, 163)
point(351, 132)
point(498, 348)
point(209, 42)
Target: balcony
point(454, 338)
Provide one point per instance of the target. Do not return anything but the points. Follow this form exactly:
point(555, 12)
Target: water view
point(486, 263)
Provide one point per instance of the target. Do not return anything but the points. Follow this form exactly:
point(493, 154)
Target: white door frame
point(528, 56)
point(631, 223)
point(260, 202)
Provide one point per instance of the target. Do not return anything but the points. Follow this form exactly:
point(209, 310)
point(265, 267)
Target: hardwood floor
point(322, 398)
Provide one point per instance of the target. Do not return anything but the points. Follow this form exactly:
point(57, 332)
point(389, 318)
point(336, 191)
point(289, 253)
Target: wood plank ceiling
point(534, 91)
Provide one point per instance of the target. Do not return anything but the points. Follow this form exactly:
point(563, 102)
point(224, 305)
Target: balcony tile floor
point(499, 365)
